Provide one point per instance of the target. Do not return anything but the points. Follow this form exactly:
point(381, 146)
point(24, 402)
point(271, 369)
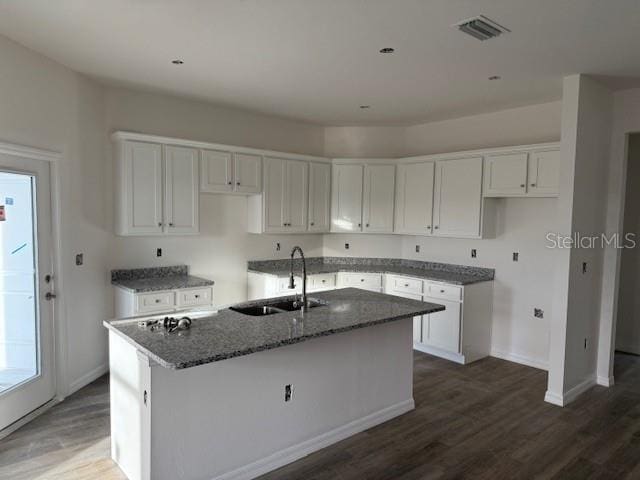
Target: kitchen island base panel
point(229, 420)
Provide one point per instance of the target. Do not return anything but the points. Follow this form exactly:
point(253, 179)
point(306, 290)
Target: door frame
point(59, 323)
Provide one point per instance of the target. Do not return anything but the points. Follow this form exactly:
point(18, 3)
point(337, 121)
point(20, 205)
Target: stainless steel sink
point(293, 305)
point(281, 306)
point(256, 310)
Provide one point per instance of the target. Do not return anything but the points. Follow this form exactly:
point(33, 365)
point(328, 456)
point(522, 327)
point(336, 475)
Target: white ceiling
point(318, 60)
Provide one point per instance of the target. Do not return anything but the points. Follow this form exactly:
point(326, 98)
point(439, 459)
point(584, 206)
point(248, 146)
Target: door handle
point(49, 296)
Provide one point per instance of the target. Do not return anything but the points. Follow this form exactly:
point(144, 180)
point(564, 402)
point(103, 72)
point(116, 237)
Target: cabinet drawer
point(195, 297)
point(153, 302)
point(404, 284)
point(321, 282)
point(367, 281)
point(448, 292)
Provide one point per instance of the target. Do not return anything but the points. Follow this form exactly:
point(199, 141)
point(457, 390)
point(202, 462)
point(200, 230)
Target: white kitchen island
point(210, 402)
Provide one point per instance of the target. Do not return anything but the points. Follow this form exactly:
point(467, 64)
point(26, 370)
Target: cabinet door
point(319, 197)
point(442, 329)
point(414, 198)
point(248, 173)
point(274, 195)
point(457, 197)
point(505, 175)
point(346, 194)
point(216, 171)
point(379, 193)
point(142, 170)
point(417, 321)
point(181, 190)
point(544, 173)
point(297, 195)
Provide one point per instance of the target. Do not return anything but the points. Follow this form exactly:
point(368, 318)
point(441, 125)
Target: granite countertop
point(139, 280)
point(226, 333)
point(439, 272)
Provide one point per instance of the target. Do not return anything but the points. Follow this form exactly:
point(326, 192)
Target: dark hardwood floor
point(486, 420)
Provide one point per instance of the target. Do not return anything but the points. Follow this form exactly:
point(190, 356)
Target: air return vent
point(481, 27)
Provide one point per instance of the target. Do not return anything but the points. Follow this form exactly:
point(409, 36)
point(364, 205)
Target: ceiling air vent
point(481, 27)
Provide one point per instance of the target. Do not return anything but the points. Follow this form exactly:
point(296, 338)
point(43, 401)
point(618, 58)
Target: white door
point(216, 171)
point(181, 190)
point(414, 198)
point(27, 374)
point(544, 173)
point(505, 174)
point(457, 203)
point(319, 197)
point(379, 193)
point(274, 195)
point(248, 173)
point(143, 173)
point(442, 329)
point(297, 195)
point(346, 194)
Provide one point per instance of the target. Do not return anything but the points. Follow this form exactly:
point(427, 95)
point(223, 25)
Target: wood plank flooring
point(486, 420)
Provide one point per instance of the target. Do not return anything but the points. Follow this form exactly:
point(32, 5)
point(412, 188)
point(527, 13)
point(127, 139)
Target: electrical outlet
point(158, 252)
point(417, 248)
point(346, 246)
point(79, 259)
point(288, 393)
point(584, 267)
point(515, 256)
point(538, 313)
point(277, 246)
point(474, 253)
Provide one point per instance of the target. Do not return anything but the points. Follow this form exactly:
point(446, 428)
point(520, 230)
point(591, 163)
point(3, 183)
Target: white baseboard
point(454, 357)
point(87, 378)
point(570, 395)
point(604, 381)
point(27, 418)
point(521, 359)
point(291, 454)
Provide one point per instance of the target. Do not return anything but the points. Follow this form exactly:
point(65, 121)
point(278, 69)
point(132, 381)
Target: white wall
point(628, 318)
point(362, 142)
point(48, 106)
point(586, 133)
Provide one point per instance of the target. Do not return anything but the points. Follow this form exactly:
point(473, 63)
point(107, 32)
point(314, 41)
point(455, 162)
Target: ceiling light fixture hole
point(177, 61)
point(364, 107)
point(495, 77)
point(387, 50)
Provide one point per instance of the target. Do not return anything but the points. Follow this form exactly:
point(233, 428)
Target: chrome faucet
point(292, 285)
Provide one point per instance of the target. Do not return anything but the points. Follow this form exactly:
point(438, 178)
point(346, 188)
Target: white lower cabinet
point(364, 281)
point(131, 304)
point(461, 332)
point(263, 285)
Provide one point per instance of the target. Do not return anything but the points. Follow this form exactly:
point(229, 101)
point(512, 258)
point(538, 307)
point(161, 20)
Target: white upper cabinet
point(181, 190)
point(274, 195)
point(529, 173)
point(216, 168)
point(505, 174)
point(346, 193)
point(140, 201)
point(544, 173)
point(296, 196)
point(227, 172)
point(414, 198)
point(457, 204)
point(283, 206)
point(378, 198)
point(247, 170)
point(157, 189)
point(319, 197)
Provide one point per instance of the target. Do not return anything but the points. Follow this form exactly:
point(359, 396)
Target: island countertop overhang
point(227, 334)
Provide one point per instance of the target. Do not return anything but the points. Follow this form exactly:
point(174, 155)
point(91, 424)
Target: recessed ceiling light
point(365, 106)
point(177, 61)
point(495, 77)
point(387, 50)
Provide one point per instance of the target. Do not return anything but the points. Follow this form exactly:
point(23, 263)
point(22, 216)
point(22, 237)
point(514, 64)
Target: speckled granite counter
point(228, 334)
point(439, 272)
point(155, 279)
